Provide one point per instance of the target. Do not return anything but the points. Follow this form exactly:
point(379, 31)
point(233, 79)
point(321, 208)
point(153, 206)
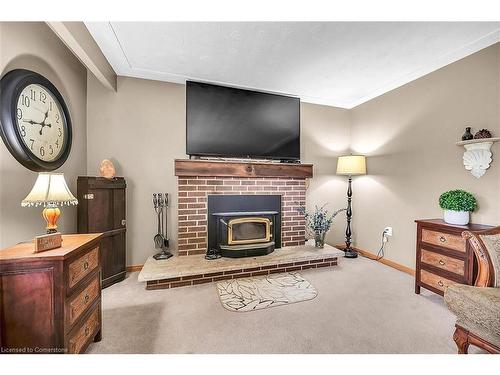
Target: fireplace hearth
point(243, 225)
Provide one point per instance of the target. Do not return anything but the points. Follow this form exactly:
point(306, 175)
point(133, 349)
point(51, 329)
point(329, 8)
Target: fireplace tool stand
point(160, 204)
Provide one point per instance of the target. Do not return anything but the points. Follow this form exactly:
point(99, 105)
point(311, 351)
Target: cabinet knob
point(440, 283)
point(441, 262)
point(87, 331)
point(442, 238)
point(86, 265)
point(249, 168)
point(124, 222)
point(86, 298)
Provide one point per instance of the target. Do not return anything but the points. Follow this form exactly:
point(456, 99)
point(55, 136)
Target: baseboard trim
point(387, 262)
point(135, 268)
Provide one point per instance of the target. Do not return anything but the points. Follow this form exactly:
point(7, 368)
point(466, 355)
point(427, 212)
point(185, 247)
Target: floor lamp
point(350, 165)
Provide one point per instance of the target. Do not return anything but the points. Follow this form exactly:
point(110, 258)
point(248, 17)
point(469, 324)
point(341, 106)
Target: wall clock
point(34, 120)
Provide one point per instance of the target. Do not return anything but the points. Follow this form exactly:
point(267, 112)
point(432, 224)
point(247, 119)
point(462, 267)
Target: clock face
point(35, 123)
point(40, 122)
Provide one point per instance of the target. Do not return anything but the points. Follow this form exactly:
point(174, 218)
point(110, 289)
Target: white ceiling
point(341, 64)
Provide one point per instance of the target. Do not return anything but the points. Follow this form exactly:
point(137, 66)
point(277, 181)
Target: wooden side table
point(443, 256)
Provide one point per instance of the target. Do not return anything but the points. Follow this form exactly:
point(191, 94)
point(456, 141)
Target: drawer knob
point(441, 262)
point(440, 283)
point(442, 238)
point(87, 331)
point(86, 298)
point(86, 265)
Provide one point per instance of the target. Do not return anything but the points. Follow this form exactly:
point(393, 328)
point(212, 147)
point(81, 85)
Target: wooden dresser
point(443, 256)
point(50, 302)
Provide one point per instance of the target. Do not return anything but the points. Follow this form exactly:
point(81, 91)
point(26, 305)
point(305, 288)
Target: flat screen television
point(229, 122)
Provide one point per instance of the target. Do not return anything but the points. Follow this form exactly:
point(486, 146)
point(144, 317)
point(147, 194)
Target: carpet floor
point(362, 307)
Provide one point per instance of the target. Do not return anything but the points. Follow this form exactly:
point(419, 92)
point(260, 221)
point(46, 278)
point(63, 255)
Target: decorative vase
point(456, 217)
point(319, 239)
point(467, 135)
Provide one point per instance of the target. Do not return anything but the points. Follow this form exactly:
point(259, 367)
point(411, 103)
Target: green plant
point(457, 200)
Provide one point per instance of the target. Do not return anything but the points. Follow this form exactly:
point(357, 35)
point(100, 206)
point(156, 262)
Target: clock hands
point(42, 124)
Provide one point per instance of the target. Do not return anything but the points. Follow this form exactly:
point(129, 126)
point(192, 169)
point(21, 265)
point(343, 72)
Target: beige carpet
point(261, 292)
point(362, 307)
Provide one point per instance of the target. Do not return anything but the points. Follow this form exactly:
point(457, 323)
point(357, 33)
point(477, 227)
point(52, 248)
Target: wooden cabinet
point(443, 256)
point(50, 302)
point(101, 209)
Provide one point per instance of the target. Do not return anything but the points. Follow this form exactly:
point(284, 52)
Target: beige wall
point(409, 135)
point(142, 129)
point(34, 46)
point(325, 136)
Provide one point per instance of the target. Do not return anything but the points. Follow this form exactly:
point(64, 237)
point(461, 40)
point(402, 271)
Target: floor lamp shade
point(351, 165)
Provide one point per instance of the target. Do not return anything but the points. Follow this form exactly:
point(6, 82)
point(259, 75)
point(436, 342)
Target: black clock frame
point(11, 87)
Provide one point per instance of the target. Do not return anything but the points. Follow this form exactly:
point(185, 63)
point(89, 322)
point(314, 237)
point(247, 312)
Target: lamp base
point(51, 213)
point(350, 253)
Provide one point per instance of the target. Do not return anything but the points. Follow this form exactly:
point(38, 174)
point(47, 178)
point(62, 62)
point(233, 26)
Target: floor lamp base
point(349, 253)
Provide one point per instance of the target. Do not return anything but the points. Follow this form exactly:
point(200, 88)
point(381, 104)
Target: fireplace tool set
point(160, 204)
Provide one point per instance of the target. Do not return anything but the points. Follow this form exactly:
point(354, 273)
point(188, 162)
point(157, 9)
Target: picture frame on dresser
point(443, 256)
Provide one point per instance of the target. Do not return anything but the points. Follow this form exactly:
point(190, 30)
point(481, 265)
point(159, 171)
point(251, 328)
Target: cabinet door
point(119, 208)
point(119, 253)
point(113, 255)
point(100, 210)
point(106, 249)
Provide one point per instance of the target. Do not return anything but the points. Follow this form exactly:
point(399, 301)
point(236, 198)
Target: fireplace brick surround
point(194, 186)
point(197, 180)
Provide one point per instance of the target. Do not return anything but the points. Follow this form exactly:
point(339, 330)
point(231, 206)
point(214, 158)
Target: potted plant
point(457, 206)
point(319, 223)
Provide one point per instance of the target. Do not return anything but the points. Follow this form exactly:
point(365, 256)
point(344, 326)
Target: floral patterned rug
point(255, 293)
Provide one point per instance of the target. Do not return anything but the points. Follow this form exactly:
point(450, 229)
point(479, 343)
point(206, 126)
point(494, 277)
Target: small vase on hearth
point(319, 239)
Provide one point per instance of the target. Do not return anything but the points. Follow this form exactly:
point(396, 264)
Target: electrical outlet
point(388, 231)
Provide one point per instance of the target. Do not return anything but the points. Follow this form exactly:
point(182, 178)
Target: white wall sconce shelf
point(477, 156)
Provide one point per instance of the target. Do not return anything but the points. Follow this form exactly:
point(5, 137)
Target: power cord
point(380, 253)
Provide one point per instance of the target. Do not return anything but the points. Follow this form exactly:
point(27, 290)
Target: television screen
point(230, 122)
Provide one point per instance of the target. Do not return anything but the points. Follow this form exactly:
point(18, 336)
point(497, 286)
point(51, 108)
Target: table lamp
point(350, 165)
point(50, 191)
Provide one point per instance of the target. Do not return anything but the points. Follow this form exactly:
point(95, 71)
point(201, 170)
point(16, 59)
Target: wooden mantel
point(209, 168)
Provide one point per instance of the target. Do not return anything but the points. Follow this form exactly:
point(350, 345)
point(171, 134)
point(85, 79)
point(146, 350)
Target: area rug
point(261, 292)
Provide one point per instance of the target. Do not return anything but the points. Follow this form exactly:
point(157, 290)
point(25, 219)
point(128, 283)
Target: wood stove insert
point(239, 230)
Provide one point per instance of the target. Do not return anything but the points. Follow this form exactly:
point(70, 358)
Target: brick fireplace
point(227, 182)
point(198, 179)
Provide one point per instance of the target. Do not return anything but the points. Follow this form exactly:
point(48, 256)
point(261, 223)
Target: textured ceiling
point(342, 64)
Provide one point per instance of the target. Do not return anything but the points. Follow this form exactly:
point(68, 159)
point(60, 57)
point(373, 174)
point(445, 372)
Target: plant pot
point(319, 239)
point(456, 217)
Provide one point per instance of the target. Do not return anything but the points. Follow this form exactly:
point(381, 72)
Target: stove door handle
point(223, 222)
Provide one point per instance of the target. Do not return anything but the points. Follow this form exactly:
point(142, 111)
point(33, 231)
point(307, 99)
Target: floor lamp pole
point(349, 252)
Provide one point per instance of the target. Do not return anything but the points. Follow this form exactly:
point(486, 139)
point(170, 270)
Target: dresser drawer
point(82, 334)
point(82, 266)
point(447, 240)
point(436, 281)
point(80, 302)
point(443, 262)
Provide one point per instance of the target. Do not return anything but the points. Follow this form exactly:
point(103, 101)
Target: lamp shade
point(50, 189)
point(351, 165)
